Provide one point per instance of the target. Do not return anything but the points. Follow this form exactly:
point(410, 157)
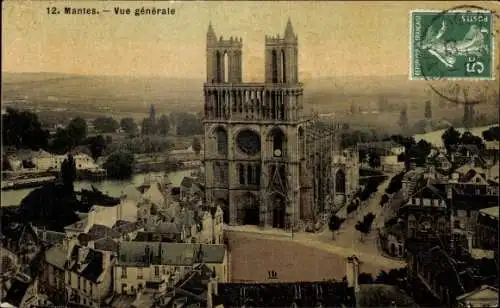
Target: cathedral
point(266, 163)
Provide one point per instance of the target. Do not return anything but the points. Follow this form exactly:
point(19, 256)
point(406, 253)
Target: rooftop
point(302, 294)
point(141, 254)
point(90, 267)
point(56, 256)
point(100, 231)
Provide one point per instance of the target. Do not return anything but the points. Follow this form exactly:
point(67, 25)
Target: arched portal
point(278, 204)
point(225, 209)
point(340, 182)
point(248, 210)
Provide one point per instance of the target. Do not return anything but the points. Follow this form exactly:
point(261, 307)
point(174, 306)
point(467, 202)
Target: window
point(78, 280)
point(157, 271)
point(241, 171)
point(250, 176)
point(124, 287)
point(140, 273)
point(124, 272)
point(84, 285)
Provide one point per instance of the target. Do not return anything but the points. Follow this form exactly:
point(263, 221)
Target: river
point(111, 187)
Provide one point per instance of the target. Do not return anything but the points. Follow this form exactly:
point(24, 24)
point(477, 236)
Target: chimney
point(352, 272)
point(82, 253)
point(212, 290)
point(106, 256)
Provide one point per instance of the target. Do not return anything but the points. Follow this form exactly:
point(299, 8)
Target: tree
point(68, 173)
point(334, 224)
point(451, 137)
point(384, 199)
point(187, 124)
point(492, 134)
point(470, 139)
point(147, 127)
point(428, 110)
point(374, 160)
point(163, 125)
point(23, 130)
point(395, 184)
point(403, 119)
point(96, 145)
point(196, 145)
point(105, 125)
point(120, 165)
point(61, 143)
point(129, 126)
point(77, 130)
point(363, 229)
point(365, 278)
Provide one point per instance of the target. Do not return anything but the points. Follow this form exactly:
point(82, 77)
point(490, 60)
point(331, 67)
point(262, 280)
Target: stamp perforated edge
point(410, 45)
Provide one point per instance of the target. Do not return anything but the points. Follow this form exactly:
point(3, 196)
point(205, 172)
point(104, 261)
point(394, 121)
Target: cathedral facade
point(255, 148)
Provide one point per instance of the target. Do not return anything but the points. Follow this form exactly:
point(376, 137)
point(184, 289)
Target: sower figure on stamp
point(471, 45)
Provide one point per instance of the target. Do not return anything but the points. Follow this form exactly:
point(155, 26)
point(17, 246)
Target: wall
point(148, 275)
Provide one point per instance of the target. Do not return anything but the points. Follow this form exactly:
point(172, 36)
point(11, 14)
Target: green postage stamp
point(455, 44)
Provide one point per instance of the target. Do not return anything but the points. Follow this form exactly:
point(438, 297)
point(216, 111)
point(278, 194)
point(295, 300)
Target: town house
point(426, 214)
point(159, 266)
point(485, 296)
point(77, 274)
point(487, 230)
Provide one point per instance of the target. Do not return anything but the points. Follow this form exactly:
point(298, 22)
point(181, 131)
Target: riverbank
point(114, 188)
point(16, 184)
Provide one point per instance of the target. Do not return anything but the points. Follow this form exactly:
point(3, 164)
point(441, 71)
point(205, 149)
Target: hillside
point(133, 95)
point(115, 92)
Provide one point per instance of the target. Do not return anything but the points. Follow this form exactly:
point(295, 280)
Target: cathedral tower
point(254, 134)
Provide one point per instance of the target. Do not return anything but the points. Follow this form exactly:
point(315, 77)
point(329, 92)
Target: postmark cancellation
point(452, 44)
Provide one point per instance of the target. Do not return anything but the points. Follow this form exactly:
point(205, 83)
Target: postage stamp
point(454, 44)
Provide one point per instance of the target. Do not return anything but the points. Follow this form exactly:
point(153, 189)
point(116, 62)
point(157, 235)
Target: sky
point(335, 38)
